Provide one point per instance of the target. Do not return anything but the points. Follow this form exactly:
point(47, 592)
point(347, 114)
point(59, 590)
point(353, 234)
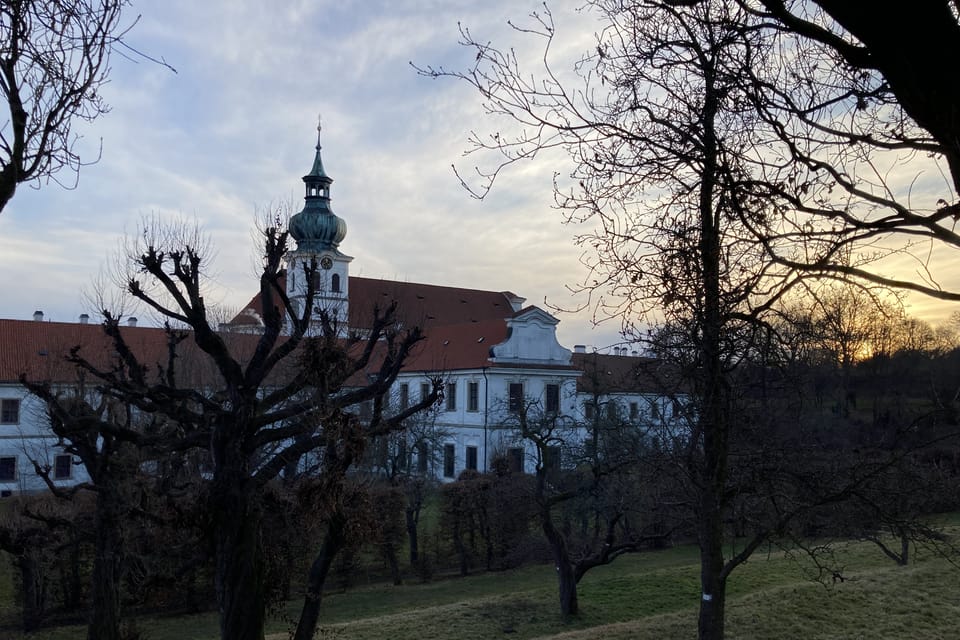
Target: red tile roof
point(606, 373)
point(37, 349)
point(423, 305)
point(457, 346)
point(426, 305)
point(460, 324)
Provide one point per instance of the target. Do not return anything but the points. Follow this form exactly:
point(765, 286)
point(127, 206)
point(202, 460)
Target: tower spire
point(317, 259)
point(316, 227)
point(317, 171)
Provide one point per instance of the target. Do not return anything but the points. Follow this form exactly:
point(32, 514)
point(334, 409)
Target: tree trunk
point(412, 517)
point(713, 419)
point(711, 621)
point(390, 555)
point(107, 566)
point(460, 548)
point(239, 580)
point(713, 583)
point(32, 589)
point(567, 580)
point(71, 583)
point(310, 613)
point(569, 605)
point(904, 547)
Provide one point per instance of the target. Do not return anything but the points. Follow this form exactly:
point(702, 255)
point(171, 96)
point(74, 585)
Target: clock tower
point(318, 233)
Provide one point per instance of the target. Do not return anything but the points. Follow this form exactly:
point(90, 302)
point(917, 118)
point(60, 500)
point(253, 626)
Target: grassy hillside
point(652, 595)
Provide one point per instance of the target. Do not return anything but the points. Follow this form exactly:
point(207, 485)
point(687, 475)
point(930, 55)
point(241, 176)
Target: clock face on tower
point(326, 262)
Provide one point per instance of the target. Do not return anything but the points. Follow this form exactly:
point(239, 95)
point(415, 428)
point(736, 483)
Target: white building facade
point(498, 359)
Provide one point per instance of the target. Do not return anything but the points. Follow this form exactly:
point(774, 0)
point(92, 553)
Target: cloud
point(229, 135)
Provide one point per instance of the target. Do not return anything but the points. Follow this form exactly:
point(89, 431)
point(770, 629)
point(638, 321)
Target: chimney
point(84, 318)
point(132, 321)
point(38, 316)
point(579, 348)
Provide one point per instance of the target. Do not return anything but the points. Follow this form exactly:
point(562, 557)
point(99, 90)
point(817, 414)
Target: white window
point(451, 396)
point(515, 457)
point(551, 400)
point(62, 467)
point(516, 397)
point(449, 460)
point(8, 468)
point(473, 396)
point(423, 457)
point(10, 411)
point(472, 458)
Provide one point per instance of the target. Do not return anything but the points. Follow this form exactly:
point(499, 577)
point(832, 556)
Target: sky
point(227, 137)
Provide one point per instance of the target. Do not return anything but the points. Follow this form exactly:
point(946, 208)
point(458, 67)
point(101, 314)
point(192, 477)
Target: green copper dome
point(316, 227)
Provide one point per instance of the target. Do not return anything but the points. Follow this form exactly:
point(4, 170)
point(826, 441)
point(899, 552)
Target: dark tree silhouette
point(84, 425)
point(257, 403)
point(723, 166)
point(594, 480)
point(35, 529)
point(901, 50)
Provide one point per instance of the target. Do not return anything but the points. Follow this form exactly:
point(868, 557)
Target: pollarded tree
point(254, 402)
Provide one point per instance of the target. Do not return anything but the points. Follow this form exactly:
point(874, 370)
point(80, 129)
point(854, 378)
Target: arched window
point(335, 283)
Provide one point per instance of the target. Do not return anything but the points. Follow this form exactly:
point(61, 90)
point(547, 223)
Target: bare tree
point(255, 402)
point(660, 158)
point(594, 480)
point(54, 60)
point(36, 529)
point(714, 162)
point(85, 426)
point(890, 55)
point(406, 458)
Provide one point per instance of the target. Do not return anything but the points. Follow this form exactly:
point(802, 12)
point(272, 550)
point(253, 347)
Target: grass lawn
point(651, 595)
